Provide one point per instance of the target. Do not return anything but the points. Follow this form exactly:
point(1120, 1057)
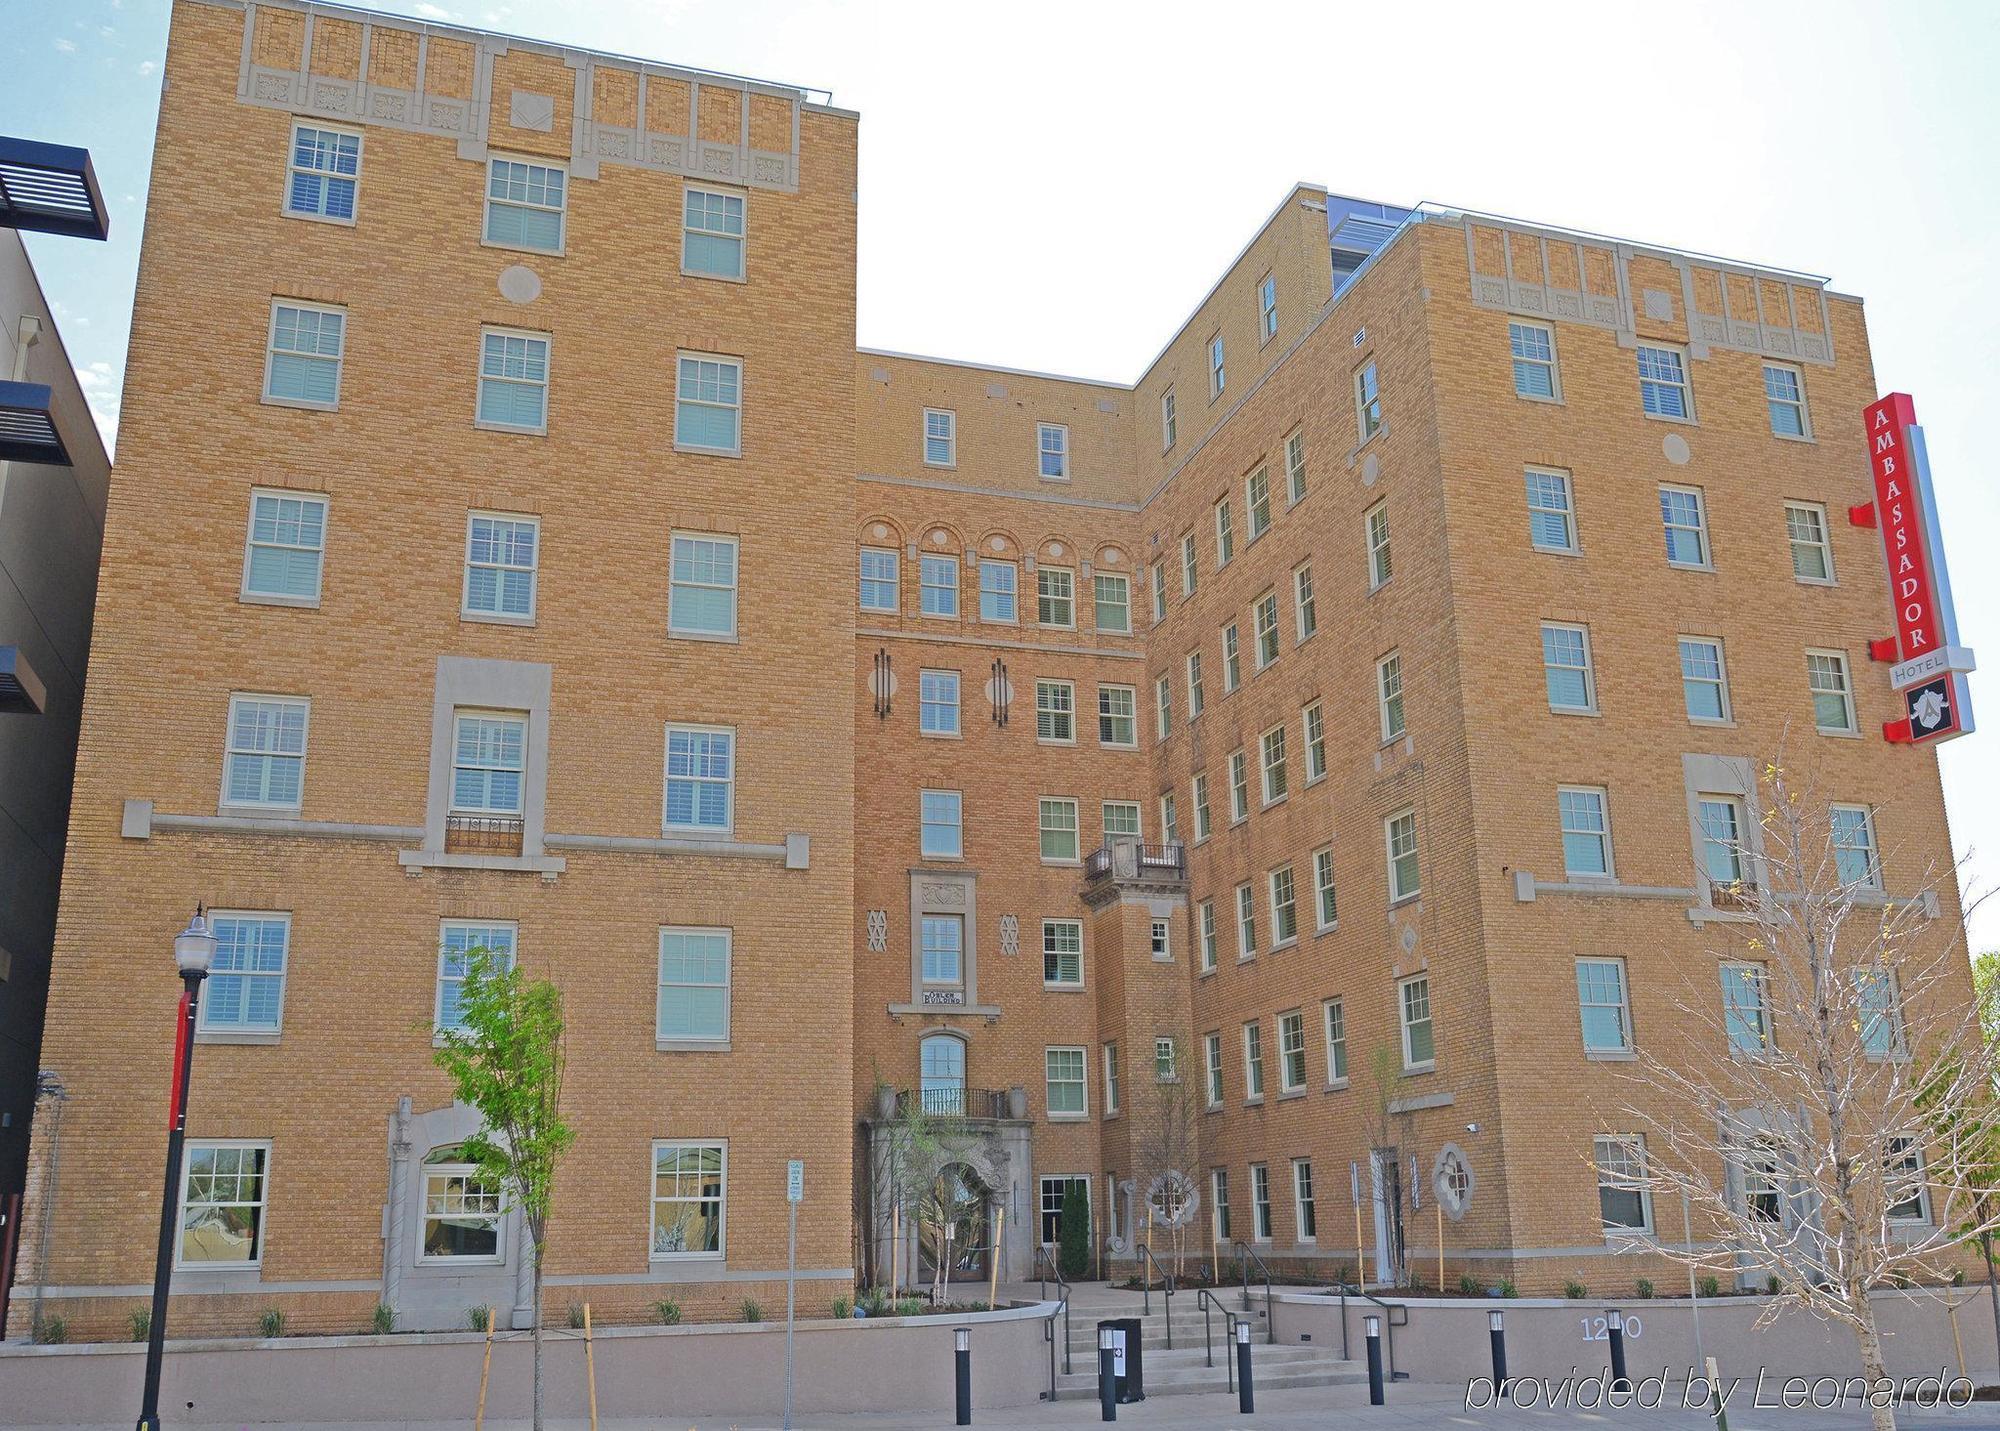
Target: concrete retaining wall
point(665, 1373)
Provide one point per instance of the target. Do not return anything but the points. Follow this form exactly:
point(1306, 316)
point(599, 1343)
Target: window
point(1336, 1041)
point(1239, 786)
point(1218, 1189)
point(712, 234)
point(1218, 377)
point(1232, 667)
point(1062, 953)
point(304, 351)
point(1055, 596)
point(1110, 1079)
point(1805, 529)
point(1158, 581)
point(1704, 680)
point(1163, 707)
point(1121, 817)
point(1202, 825)
point(690, 1187)
point(1380, 565)
point(287, 545)
point(1257, 501)
point(1389, 695)
point(461, 1211)
point(222, 1205)
point(1271, 752)
point(1400, 832)
point(700, 778)
point(1419, 1043)
point(937, 578)
point(1833, 698)
point(1305, 612)
point(1189, 574)
point(1785, 400)
point(1602, 1006)
point(1904, 1189)
point(1260, 1201)
point(941, 948)
point(1067, 1096)
point(998, 583)
point(1295, 467)
point(1246, 922)
point(1663, 387)
point(942, 817)
point(1265, 617)
point(1315, 729)
point(1170, 827)
point(1052, 440)
point(500, 565)
point(1566, 668)
point(1058, 828)
point(937, 702)
point(1054, 1189)
point(1722, 853)
point(1551, 520)
point(940, 437)
point(1302, 1200)
point(1055, 711)
point(1267, 308)
point(1881, 1013)
point(1326, 909)
point(1211, 1057)
point(941, 1074)
point(1764, 1183)
point(1746, 1010)
point(458, 942)
point(1685, 521)
point(694, 985)
point(701, 594)
point(1623, 1201)
point(1533, 346)
point(1114, 604)
point(513, 380)
point(1225, 533)
point(708, 409)
point(1367, 402)
point(880, 584)
point(265, 762)
point(1168, 426)
point(1206, 919)
point(1165, 1061)
point(1195, 691)
point(1291, 1052)
point(1253, 1058)
point(1284, 906)
point(1853, 830)
point(524, 205)
point(1586, 832)
point(246, 982)
point(324, 171)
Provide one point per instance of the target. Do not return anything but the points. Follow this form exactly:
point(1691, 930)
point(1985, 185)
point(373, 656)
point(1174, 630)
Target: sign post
point(795, 1191)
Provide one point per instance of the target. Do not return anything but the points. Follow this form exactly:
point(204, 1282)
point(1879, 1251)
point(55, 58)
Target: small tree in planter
point(505, 1058)
point(925, 1150)
point(1073, 1231)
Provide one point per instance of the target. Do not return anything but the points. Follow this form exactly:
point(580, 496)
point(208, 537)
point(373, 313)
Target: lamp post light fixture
point(194, 953)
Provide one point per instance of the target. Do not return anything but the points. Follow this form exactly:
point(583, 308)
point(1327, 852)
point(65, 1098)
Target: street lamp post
point(194, 952)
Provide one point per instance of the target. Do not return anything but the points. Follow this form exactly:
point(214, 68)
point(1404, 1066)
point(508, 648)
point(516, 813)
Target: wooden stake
point(479, 1417)
point(1440, 1212)
point(1214, 1254)
point(590, 1365)
point(999, 1240)
point(895, 1244)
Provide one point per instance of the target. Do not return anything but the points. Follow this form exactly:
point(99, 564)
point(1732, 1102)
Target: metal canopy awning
point(27, 426)
point(50, 188)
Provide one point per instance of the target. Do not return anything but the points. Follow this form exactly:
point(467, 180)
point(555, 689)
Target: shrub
point(751, 1311)
point(479, 1318)
point(1467, 1287)
point(50, 1330)
point(141, 1322)
point(1709, 1287)
point(1575, 1290)
point(1644, 1290)
point(1073, 1231)
point(576, 1316)
point(1958, 1276)
point(1771, 1284)
point(1507, 1288)
point(910, 1307)
point(840, 1309)
point(874, 1303)
point(383, 1321)
point(668, 1311)
point(271, 1323)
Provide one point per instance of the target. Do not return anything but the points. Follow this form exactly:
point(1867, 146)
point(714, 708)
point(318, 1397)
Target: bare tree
point(921, 1177)
point(1831, 1115)
point(1165, 1149)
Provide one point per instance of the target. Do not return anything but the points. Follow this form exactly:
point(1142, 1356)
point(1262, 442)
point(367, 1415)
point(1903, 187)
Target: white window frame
point(675, 627)
point(1163, 707)
point(293, 169)
point(1218, 367)
point(337, 359)
point(1111, 1078)
point(1376, 537)
point(1389, 708)
point(1043, 829)
point(1407, 1024)
point(1239, 786)
point(1836, 662)
point(1170, 829)
point(1081, 1082)
point(230, 749)
point(741, 238)
point(1274, 774)
point(940, 594)
point(1137, 811)
point(459, 716)
point(1602, 835)
point(1246, 922)
point(1099, 603)
point(529, 339)
point(1225, 534)
point(1206, 933)
point(1871, 849)
point(1197, 694)
point(1757, 978)
point(472, 1179)
point(1232, 659)
point(1253, 1060)
point(721, 360)
point(1169, 422)
point(263, 1204)
point(1213, 1091)
point(465, 607)
point(1305, 605)
point(1291, 1021)
point(1390, 823)
point(1629, 1149)
point(560, 210)
point(1267, 308)
point(947, 800)
point(1058, 448)
point(653, 1200)
point(1157, 574)
point(243, 1028)
point(1055, 710)
point(1045, 598)
point(1204, 824)
point(1305, 1204)
point(1588, 668)
point(1325, 890)
point(1700, 527)
point(446, 953)
point(894, 580)
point(1816, 511)
point(1257, 503)
point(1773, 401)
point(667, 779)
point(1162, 942)
point(1218, 1202)
point(947, 433)
point(1570, 546)
point(1166, 1060)
point(1264, 622)
point(1295, 466)
point(1190, 565)
point(993, 565)
point(938, 689)
point(1683, 383)
point(1623, 1007)
point(1053, 931)
point(1333, 1020)
point(1312, 730)
point(662, 984)
point(251, 546)
point(1720, 681)
point(1367, 402)
point(1520, 360)
point(1260, 1202)
point(1281, 889)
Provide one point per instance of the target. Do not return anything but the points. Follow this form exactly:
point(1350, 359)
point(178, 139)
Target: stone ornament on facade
point(1451, 1175)
point(878, 931)
point(1172, 1199)
point(1010, 934)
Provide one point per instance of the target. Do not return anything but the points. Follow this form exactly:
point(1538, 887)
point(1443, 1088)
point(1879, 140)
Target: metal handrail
point(1043, 1259)
point(1245, 1255)
point(1206, 1299)
point(1389, 1322)
point(1148, 1265)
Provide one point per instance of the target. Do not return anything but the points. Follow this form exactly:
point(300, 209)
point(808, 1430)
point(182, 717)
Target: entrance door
point(953, 1228)
point(1387, 1171)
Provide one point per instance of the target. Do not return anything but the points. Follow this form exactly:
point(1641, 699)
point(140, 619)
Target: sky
point(1007, 153)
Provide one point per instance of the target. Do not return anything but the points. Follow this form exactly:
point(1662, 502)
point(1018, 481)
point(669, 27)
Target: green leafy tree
point(506, 1059)
point(1073, 1231)
point(1986, 992)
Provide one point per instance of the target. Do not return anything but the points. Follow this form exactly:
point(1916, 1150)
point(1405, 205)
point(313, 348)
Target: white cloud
point(146, 67)
point(68, 47)
point(434, 12)
point(102, 388)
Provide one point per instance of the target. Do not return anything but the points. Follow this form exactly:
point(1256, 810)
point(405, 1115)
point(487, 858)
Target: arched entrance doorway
point(954, 1227)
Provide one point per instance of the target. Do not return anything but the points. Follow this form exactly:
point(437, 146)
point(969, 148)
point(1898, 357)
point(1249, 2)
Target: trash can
point(1128, 1361)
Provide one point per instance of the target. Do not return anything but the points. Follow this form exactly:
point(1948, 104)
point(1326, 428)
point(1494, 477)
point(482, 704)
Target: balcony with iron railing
point(483, 834)
point(1129, 860)
point(955, 1100)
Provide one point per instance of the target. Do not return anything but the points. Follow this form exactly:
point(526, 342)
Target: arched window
point(942, 1060)
point(461, 1210)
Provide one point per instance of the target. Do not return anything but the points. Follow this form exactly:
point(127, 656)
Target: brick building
point(1321, 740)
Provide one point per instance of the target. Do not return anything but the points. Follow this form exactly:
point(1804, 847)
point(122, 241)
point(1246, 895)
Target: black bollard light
point(1497, 1334)
point(1372, 1329)
point(1107, 1374)
point(962, 1354)
point(1614, 1328)
point(1245, 1401)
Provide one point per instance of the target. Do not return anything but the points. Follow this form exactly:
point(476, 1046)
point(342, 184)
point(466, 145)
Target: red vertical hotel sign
point(1919, 627)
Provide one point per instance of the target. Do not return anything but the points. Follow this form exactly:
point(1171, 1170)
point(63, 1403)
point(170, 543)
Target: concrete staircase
point(1184, 1370)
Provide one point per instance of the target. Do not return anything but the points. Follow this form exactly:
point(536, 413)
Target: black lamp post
point(194, 952)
